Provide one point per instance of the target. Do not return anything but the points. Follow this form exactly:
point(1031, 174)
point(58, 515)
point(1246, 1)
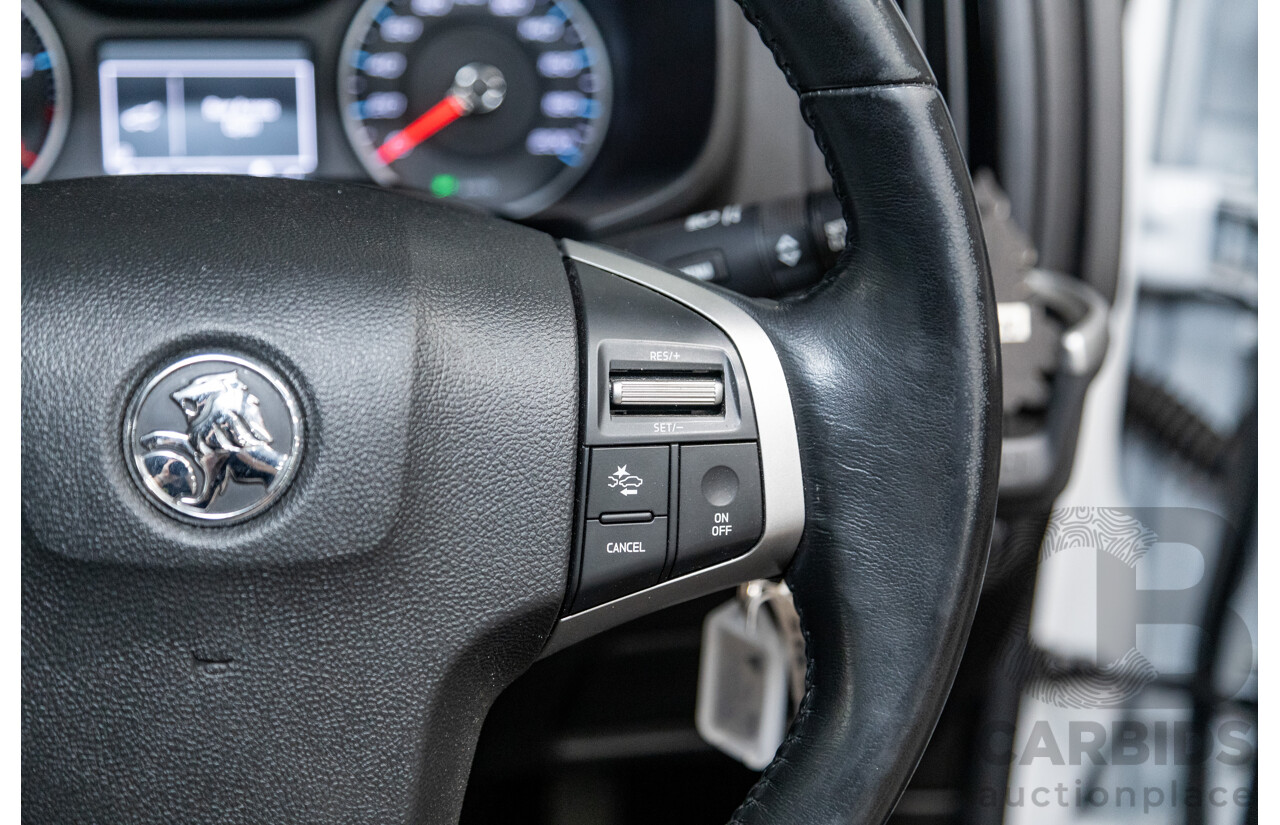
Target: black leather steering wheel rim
point(890, 567)
point(892, 367)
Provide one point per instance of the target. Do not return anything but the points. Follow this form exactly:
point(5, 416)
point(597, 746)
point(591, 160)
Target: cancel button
point(618, 559)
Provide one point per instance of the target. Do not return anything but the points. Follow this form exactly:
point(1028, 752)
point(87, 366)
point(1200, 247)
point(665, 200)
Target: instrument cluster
point(555, 110)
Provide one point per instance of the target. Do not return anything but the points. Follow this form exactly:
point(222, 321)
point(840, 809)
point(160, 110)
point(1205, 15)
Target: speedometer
point(501, 103)
point(45, 93)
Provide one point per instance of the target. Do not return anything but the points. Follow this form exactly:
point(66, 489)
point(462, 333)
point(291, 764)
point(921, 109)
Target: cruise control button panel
point(721, 511)
point(628, 480)
point(618, 559)
point(662, 511)
point(670, 482)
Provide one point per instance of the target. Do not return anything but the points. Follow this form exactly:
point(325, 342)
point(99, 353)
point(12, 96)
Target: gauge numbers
point(501, 103)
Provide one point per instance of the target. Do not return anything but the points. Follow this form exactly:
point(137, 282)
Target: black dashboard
point(573, 114)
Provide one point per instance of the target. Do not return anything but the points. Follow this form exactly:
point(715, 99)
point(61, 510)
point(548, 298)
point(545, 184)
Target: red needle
point(426, 125)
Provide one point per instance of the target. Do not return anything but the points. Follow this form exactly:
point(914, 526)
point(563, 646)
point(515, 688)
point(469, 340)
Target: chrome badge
point(213, 438)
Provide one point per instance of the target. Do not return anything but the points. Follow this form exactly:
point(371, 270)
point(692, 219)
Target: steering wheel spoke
point(731, 502)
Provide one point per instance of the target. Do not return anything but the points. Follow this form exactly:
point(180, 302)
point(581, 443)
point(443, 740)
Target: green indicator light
point(442, 186)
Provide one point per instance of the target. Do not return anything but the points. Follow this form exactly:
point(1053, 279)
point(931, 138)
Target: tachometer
point(502, 103)
point(46, 92)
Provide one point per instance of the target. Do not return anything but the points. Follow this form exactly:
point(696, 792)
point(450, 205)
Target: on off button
point(721, 513)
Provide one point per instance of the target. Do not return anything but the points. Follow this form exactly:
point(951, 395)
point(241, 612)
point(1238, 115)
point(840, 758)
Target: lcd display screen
point(239, 107)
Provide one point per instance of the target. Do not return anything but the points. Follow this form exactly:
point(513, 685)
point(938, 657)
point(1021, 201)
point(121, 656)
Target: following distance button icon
point(628, 480)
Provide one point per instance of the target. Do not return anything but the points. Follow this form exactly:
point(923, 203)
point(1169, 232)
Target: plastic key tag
point(742, 681)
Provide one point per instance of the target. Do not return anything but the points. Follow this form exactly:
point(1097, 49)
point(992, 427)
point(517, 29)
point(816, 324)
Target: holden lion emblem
point(213, 438)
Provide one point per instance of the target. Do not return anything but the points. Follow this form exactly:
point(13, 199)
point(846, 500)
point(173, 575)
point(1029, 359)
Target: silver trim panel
point(779, 454)
point(1084, 343)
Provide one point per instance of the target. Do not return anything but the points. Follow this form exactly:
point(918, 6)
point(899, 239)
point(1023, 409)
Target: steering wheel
point(300, 607)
